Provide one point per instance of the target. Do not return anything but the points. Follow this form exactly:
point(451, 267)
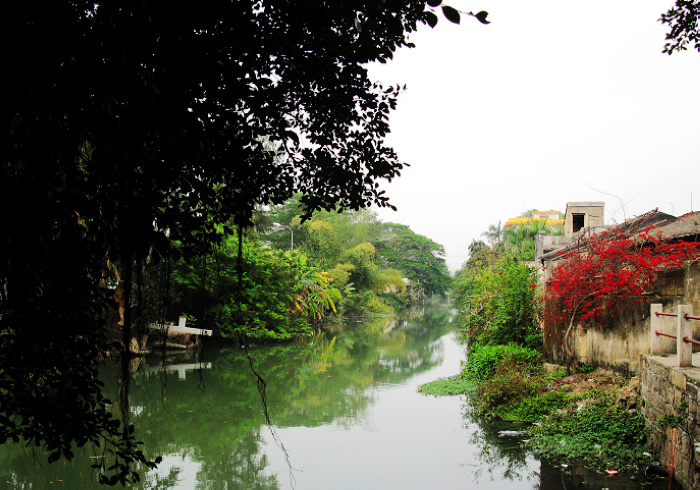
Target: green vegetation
point(498, 303)
point(495, 292)
point(508, 383)
point(420, 259)
point(261, 289)
point(600, 434)
point(447, 387)
point(136, 134)
point(678, 420)
point(366, 259)
point(279, 297)
point(483, 360)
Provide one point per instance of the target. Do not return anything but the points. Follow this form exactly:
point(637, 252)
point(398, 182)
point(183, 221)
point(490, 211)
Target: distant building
point(551, 218)
point(546, 214)
point(580, 215)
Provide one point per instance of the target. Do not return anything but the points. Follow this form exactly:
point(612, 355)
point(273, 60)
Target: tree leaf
point(431, 19)
point(433, 3)
point(293, 136)
point(451, 14)
point(481, 16)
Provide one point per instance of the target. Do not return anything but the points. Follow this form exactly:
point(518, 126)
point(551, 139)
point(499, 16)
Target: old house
point(619, 342)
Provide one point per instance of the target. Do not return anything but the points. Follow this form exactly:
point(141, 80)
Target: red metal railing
point(685, 339)
point(683, 336)
point(686, 316)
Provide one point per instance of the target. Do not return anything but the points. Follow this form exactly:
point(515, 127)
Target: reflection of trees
point(214, 416)
point(156, 480)
point(503, 458)
point(27, 467)
point(244, 467)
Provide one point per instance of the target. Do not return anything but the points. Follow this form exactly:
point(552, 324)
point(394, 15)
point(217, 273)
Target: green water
point(344, 410)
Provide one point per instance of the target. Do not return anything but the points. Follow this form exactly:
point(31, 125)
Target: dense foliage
point(127, 126)
point(279, 297)
point(483, 360)
point(495, 288)
point(498, 303)
point(365, 258)
point(507, 382)
point(599, 435)
point(682, 20)
point(419, 258)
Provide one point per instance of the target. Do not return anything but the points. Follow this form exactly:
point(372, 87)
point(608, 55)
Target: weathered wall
point(691, 291)
point(670, 407)
point(619, 344)
point(614, 348)
point(593, 215)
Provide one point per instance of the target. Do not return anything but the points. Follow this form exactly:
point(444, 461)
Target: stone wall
point(670, 406)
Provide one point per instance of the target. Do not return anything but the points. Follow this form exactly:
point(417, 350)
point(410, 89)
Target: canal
point(344, 410)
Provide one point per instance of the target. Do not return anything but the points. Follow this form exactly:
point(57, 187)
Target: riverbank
point(588, 417)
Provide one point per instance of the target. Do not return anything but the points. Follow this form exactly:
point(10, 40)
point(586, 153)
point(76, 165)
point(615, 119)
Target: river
point(344, 410)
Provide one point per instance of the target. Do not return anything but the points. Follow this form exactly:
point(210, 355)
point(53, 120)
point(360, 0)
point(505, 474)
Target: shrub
point(509, 384)
point(534, 408)
point(483, 359)
point(502, 305)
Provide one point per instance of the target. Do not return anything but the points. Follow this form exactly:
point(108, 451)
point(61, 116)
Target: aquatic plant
point(447, 386)
point(600, 435)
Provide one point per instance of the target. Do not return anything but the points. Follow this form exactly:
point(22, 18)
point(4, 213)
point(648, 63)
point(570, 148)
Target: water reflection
point(343, 404)
point(500, 458)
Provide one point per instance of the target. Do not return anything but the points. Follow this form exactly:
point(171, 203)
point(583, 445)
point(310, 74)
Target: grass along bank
point(587, 416)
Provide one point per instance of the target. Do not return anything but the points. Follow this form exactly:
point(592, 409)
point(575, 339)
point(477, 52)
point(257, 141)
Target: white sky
point(554, 101)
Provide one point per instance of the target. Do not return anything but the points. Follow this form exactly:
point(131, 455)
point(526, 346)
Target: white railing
point(181, 328)
point(680, 329)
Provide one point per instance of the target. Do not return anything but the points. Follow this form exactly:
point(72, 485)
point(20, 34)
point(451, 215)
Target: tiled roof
point(686, 226)
point(670, 227)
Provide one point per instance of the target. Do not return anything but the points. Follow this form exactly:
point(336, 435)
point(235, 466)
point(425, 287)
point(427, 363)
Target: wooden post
point(685, 329)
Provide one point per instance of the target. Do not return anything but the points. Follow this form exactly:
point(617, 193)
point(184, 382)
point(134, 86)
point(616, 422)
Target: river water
point(344, 411)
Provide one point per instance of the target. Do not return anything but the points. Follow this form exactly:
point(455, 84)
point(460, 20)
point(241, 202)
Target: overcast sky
point(554, 101)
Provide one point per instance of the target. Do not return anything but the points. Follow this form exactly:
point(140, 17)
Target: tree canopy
point(682, 20)
point(421, 259)
point(130, 126)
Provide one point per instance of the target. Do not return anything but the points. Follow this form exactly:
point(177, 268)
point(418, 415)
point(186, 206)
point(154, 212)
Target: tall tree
point(127, 125)
point(494, 234)
point(421, 259)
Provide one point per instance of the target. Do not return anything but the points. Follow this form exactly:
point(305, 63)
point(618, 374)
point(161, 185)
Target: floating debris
point(506, 433)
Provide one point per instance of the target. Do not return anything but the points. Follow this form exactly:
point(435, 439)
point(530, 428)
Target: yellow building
point(550, 218)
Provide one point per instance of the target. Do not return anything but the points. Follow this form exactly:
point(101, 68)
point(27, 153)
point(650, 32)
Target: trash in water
point(504, 433)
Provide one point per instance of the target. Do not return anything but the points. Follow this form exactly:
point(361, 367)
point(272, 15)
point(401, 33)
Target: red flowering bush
point(604, 272)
